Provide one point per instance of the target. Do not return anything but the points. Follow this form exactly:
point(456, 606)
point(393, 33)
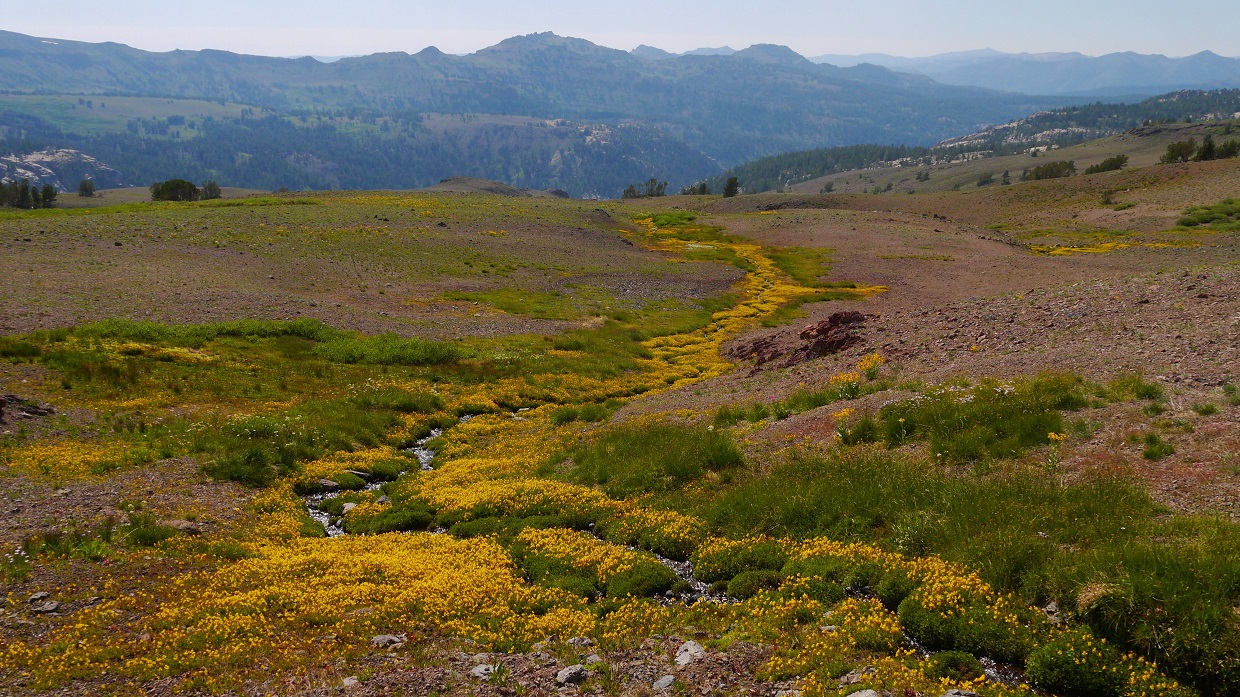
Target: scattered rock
point(865, 693)
point(41, 595)
point(328, 485)
point(383, 640)
point(856, 676)
point(593, 658)
point(482, 671)
point(664, 682)
point(572, 675)
point(48, 607)
point(350, 682)
point(959, 693)
point(689, 652)
point(788, 693)
point(348, 507)
point(580, 642)
point(183, 526)
point(481, 658)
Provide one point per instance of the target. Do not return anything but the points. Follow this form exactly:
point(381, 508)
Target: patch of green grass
point(1206, 409)
point(1128, 387)
point(1043, 539)
point(1224, 215)
point(633, 459)
point(802, 400)
point(387, 349)
point(705, 252)
point(673, 218)
point(990, 420)
point(805, 265)
point(1156, 448)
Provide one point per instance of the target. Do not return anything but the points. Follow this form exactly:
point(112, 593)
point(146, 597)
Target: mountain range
point(627, 117)
point(1071, 74)
point(539, 111)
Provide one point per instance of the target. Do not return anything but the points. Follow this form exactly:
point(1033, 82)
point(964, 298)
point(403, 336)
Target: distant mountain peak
point(721, 51)
point(652, 53)
point(772, 54)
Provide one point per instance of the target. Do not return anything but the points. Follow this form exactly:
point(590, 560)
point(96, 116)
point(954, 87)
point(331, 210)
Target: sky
point(810, 27)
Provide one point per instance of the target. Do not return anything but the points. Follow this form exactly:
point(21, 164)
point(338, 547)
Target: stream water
point(331, 524)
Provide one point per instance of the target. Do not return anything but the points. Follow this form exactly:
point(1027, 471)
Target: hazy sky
point(811, 27)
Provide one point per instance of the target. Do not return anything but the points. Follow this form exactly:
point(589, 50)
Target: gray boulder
point(664, 682)
point(572, 675)
point(689, 652)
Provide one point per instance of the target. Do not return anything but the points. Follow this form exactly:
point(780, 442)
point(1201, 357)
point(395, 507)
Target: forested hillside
point(360, 122)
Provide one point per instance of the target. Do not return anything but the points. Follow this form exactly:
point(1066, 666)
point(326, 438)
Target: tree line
point(23, 194)
point(1187, 150)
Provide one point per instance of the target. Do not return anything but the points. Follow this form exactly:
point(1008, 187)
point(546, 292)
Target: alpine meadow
point(557, 369)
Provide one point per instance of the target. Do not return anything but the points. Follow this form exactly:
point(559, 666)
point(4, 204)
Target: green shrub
point(397, 518)
point(759, 556)
point(16, 348)
point(1078, 665)
point(644, 580)
point(957, 666)
point(893, 588)
point(480, 527)
point(252, 468)
point(1110, 164)
point(577, 584)
point(1053, 170)
point(593, 413)
point(564, 415)
point(747, 584)
point(388, 470)
point(349, 481)
point(969, 627)
point(1206, 409)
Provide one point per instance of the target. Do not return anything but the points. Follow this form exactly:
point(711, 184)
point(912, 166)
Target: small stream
point(330, 524)
point(995, 672)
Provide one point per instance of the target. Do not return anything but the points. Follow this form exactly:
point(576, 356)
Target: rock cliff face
point(62, 169)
